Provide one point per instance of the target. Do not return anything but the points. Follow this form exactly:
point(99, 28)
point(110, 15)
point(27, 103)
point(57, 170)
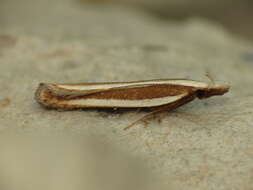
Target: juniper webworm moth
point(158, 95)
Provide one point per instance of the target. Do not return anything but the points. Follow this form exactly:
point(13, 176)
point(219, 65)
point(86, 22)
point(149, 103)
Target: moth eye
point(201, 93)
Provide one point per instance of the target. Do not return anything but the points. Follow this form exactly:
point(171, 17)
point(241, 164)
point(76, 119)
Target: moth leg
point(167, 107)
point(160, 117)
point(144, 117)
point(146, 123)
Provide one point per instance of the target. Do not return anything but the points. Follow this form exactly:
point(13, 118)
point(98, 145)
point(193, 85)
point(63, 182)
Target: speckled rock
point(204, 145)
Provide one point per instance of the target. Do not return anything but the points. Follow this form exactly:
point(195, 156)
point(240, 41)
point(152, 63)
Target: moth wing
point(74, 93)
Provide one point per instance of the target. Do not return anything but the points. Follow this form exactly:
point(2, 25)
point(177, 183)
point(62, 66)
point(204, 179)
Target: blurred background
point(236, 16)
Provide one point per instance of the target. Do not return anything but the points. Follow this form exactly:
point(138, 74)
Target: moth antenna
point(210, 77)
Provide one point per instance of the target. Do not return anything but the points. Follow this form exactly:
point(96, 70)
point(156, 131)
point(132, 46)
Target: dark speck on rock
point(7, 41)
point(69, 65)
point(248, 56)
point(154, 47)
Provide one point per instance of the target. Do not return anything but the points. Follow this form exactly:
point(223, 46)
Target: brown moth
point(158, 95)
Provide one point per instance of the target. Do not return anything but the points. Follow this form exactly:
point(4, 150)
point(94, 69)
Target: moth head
point(212, 90)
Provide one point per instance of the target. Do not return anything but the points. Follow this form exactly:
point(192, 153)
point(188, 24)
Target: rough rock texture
point(204, 145)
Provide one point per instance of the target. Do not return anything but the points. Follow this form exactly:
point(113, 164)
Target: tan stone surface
point(203, 145)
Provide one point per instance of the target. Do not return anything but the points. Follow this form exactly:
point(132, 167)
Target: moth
point(157, 95)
